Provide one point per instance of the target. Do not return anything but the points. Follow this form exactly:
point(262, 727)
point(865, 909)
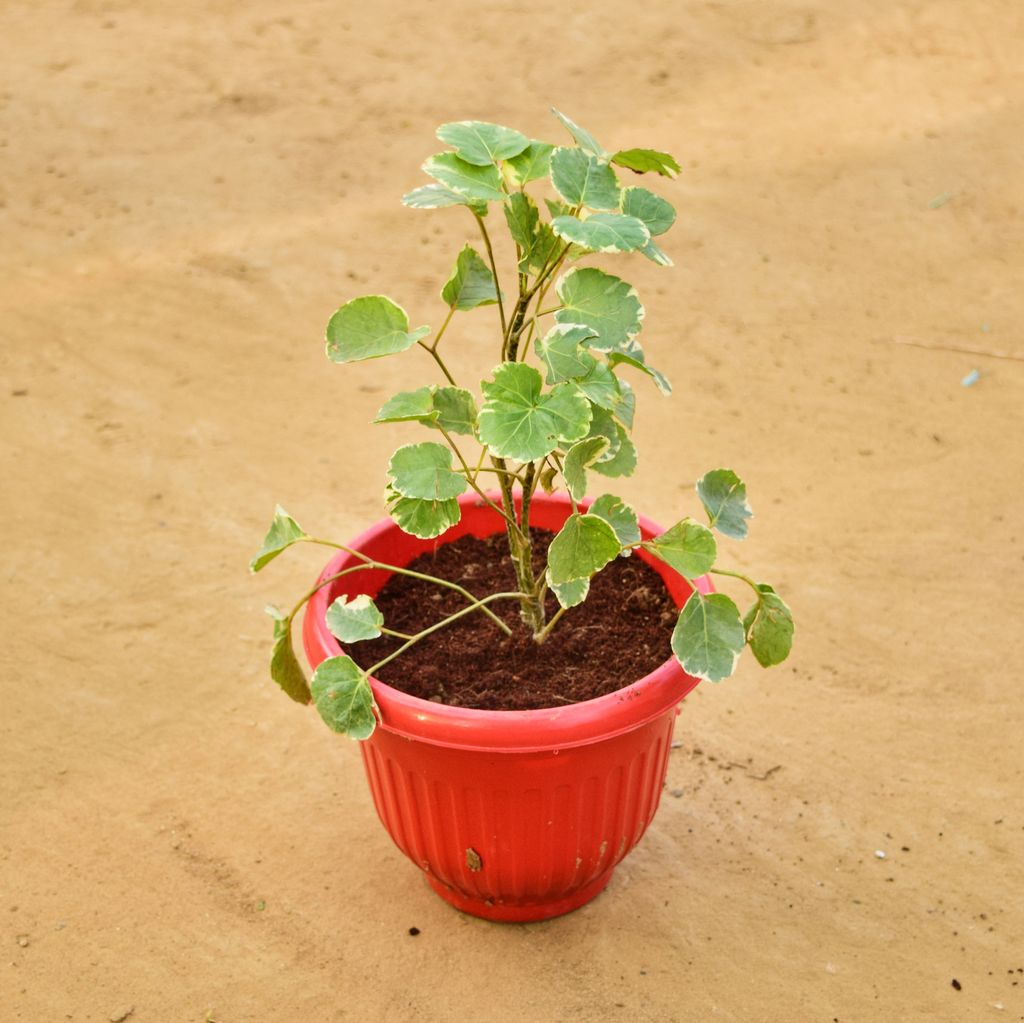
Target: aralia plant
point(557, 410)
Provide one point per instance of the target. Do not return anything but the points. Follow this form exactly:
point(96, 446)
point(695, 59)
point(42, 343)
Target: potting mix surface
point(618, 635)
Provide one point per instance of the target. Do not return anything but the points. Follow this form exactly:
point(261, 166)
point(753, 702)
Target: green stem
point(546, 631)
point(739, 575)
point(441, 624)
point(369, 562)
point(437, 358)
point(444, 327)
point(494, 269)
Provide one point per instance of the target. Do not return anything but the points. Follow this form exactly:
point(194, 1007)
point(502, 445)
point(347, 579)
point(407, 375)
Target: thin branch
point(494, 268)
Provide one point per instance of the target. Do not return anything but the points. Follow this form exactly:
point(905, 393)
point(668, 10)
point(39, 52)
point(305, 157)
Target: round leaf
point(769, 625)
point(724, 496)
point(424, 471)
point(620, 516)
point(577, 459)
point(517, 421)
point(583, 546)
point(425, 519)
point(343, 697)
point(283, 532)
point(644, 161)
point(655, 212)
point(533, 163)
point(623, 462)
point(635, 358)
point(569, 594)
point(584, 180)
point(456, 410)
point(606, 304)
point(369, 327)
point(561, 353)
point(603, 232)
point(481, 183)
point(353, 620)
point(688, 547)
point(481, 143)
point(708, 636)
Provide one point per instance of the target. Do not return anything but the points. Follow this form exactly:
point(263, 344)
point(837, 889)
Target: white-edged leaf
point(600, 386)
point(517, 421)
point(578, 459)
point(283, 532)
point(285, 669)
point(620, 516)
point(657, 213)
point(655, 254)
point(624, 408)
point(603, 232)
point(623, 462)
point(425, 519)
point(646, 161)
point(708, 636)
point(456, 410)
point(482, 143)
point(342, 694)
point(584, 180)
point(769, 628)
point(424, 471)
point(583, 137)
point(481, 183)
point(571, 593)
point(536, 240)
point(408, 406)
point(635, 358)
point(602, 424)
point(603, 302)
point(436, 197)
point(354, 620)
point(471, 283)
point(724, 496)
point(561, 352)
point(533, 163)
point(688, 547)
point(369, 327)
point(583, 546)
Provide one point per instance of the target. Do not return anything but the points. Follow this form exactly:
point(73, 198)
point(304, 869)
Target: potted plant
point(521, 813)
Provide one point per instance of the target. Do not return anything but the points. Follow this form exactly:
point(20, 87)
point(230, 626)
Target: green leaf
point(583, 546)
point(724, 496)
point(603, 302)
point(533, 163)
point(655, 254)
point(557, 208)
point(708, 636)
point(424, 471)
point(658, 214)
point(602, 424)
point(369, 327)
point(517, 421)
point(644, 161)
point(425, 519)
point(559, 349)
point(481, 183)
point(354, 620)
point(600, 386)
point(534, 237)
point(471, 283)
point(344, 698)
point(407, 406)
point(571, 593)
point(623, 463)
point(603, 232)
point(436, 197)
point(583, 137)
point(769, 628)
point(688, 547)
point(284, 665)
point(620, 516)
point(624, 408)
point(283, 532)
point(636, 359)
point(579, 457)
point(481, 143)
point(456, 410)
point(583, 180)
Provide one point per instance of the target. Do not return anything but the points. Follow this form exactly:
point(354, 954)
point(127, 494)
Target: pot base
point(521, 914)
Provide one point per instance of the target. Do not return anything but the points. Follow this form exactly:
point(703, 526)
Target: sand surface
point(189, 190)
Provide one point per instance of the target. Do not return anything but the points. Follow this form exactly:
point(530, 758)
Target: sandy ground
point(187, 195)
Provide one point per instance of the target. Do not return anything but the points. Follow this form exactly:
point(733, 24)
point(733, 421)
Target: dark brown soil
point(618, 635)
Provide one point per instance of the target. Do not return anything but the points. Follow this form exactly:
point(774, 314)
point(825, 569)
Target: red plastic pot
point(512, 815)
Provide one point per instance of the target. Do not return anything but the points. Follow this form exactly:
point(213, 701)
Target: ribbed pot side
point(511, 815)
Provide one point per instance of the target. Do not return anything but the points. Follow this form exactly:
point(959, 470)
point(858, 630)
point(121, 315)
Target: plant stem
point(369, 562)
point(739, 575)
point(444, 327)
point(437, 358)
point(546, 631)
point(440, 625)
point(494, 269)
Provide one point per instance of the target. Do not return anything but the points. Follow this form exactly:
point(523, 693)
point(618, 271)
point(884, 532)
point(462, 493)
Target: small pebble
point(677, 793)
point(956, 984)
point(23, 940)
point(120, 1017)
point(879, 854)
point(971, 379)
